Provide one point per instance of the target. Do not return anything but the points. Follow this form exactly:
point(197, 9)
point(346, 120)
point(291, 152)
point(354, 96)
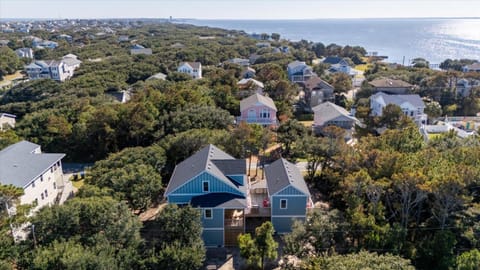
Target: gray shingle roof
point(415, 100)
point(389, 83)
point(195, 65)
point(296, 63)
point(315, 81)
point(254, 99)
point(204, 160)
point(330, 111)
point(281, 174)
point(19, 164)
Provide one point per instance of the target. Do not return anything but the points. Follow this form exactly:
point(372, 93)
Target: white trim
point(213, 229)
point(203, 186)
point(205, 213)
point(286, 204)
point(289, 185)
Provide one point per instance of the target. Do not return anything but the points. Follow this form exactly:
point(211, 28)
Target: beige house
point(7, 121)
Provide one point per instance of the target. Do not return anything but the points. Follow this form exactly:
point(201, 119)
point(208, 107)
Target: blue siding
point(290, 191)
point(195, 186)
point(216, 221)
point(296, 205)
point(238, 178)
point(179, 199)
point(212, 238)
point(283, 224)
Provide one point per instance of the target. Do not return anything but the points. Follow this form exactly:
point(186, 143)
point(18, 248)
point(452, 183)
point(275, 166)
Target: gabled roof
point(32, 65)
point(254, 99)
point(7, 115)
point(281, 174)
point(158, 76)
point(70, 55)
point(245, 81)
point(315, 81)
point(386, 83)
point(19, 164)
point(330, 111)
point(222, 200)
point(208, 159)
point(195, 65)
point(296, 64)
point(415, 100)
point(474, 66)
point(332, 60)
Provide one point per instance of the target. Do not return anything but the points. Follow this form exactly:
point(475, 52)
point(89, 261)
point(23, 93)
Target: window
point(208, 213)
point(41, 178)
point(206, 187)
point(54, 185)
point(41, 195)
point(283, 204)
point(46, 193)
point(35, 202)
point(33, 184)
point(51, 169)
point(265, 113)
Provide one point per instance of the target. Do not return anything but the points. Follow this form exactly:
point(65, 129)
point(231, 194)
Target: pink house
point(258, 109)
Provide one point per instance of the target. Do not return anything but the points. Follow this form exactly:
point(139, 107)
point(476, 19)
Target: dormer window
point(206, 186)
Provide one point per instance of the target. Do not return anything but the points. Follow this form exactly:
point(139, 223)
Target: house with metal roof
point(288, 194)
point(411, 105)
point(258, 109)
point(194, 69)
point(215, 183)
point(40, 175)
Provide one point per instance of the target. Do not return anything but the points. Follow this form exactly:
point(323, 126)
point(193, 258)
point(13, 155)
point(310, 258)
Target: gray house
point(329, 114)
point(317, 91)
point(390, 86)
point(288, 193)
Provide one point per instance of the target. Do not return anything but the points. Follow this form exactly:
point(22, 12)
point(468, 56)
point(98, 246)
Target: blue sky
point(238, 9)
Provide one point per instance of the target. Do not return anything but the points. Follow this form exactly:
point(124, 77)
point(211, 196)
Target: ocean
point(400, 39)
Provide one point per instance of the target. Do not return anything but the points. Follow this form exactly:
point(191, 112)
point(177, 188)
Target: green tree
point(361, 260)
point(174, 238)
point(9, 62)
point(469, 260)
point(263, 247)
point(133, 174)
point(288, 134)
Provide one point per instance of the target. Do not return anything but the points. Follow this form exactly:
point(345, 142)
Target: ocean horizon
point(401, 39)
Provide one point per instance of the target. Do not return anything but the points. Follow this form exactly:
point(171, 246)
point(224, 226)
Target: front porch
point(234, 225)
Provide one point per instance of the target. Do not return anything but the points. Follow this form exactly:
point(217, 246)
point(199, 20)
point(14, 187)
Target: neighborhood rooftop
point(210, 159)
point(415, 99)
point(329, 111)
point(281, 173)
point(386, 82)
point(254, 99)
point(20, 164)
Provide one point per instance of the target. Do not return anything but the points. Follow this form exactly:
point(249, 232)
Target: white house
point(40, 175)
point(194, 69)
point(299, 71)
point(475, 67)
point(7, 121)
point(59, 70)
point(411, 105)
point(24, 53)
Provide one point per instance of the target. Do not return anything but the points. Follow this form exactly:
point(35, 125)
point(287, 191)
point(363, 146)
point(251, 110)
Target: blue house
point(215, 183)
point(288, 194)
